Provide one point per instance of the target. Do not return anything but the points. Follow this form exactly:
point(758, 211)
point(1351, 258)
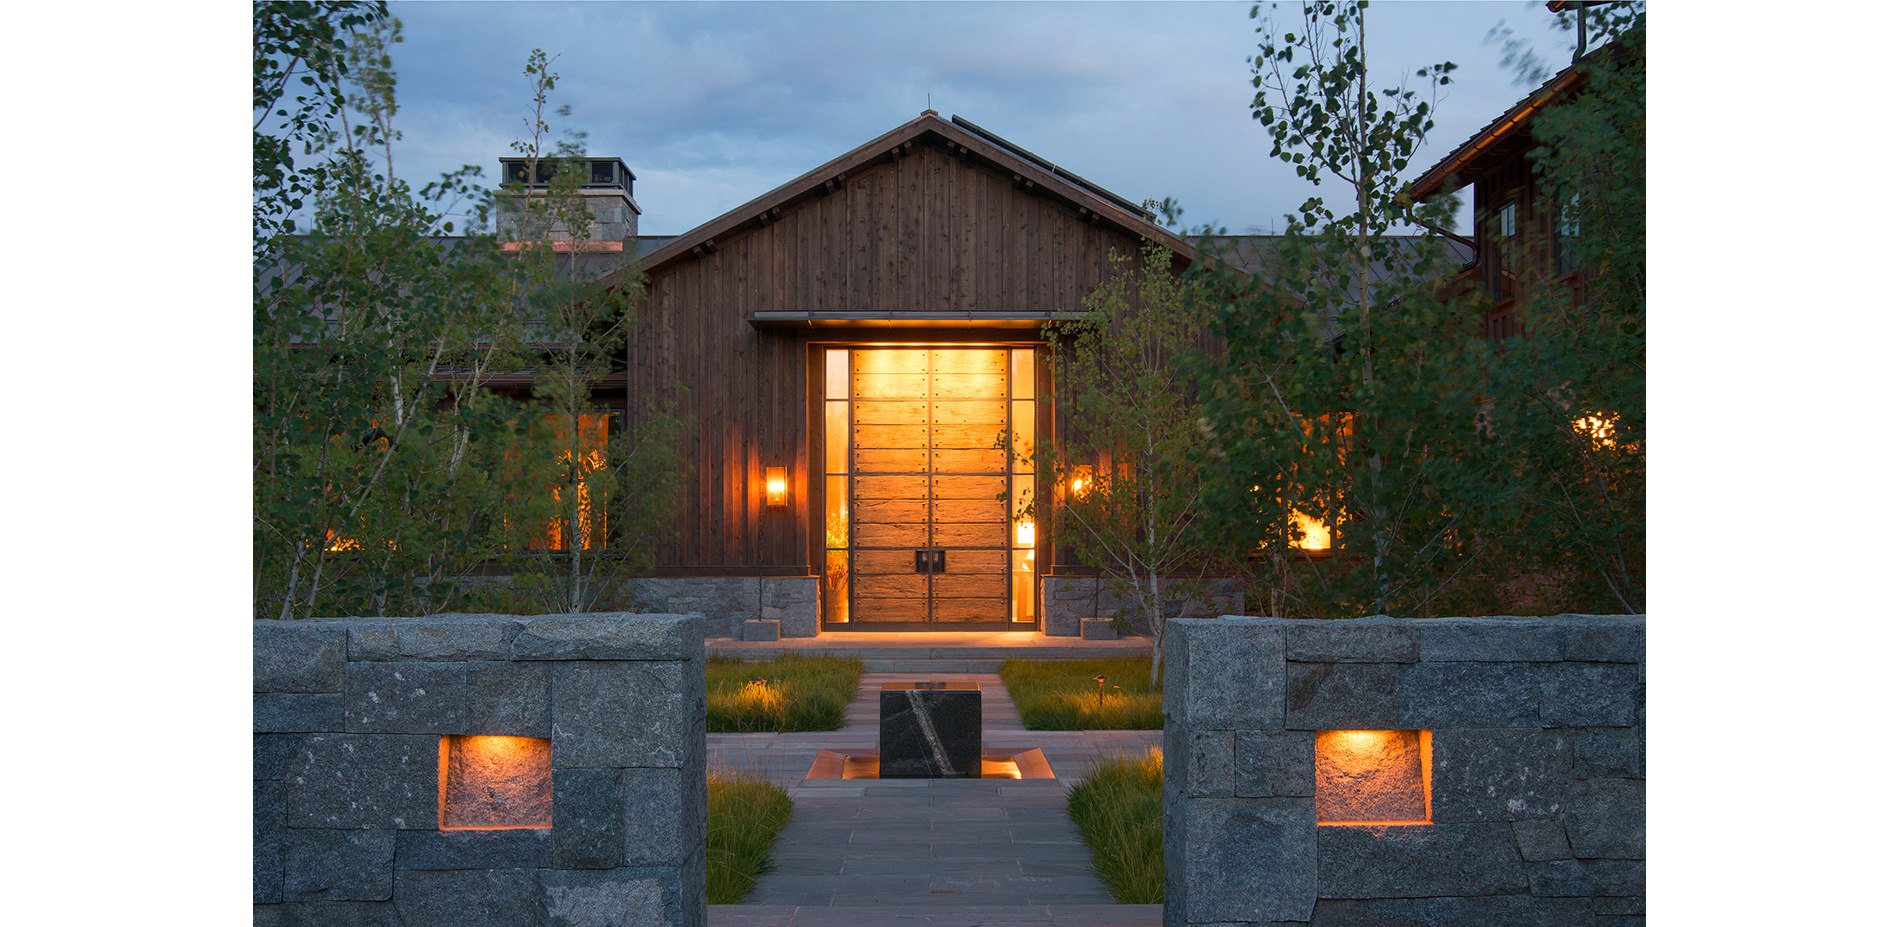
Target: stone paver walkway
point(936, 852)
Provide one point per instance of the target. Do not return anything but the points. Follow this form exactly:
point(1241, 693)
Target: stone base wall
point(728, 601)
point(349, 717)
point(1536, 762)
point(1068, 600)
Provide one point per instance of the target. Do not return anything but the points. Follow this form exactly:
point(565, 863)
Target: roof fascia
point(1510, 123)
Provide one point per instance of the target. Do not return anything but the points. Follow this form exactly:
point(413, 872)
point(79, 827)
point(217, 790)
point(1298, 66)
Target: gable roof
point(962, 138)
point(1488, 138)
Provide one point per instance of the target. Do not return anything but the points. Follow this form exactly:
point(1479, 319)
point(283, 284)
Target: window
point(1504, 237)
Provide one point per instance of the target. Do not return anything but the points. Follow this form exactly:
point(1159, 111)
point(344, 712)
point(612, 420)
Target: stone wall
point(1068, 600)
point(1535, 756)
point(349, 717)
point(727, 601)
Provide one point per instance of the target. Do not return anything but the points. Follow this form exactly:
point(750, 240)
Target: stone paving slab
point(1047, 915)
point(929, 851)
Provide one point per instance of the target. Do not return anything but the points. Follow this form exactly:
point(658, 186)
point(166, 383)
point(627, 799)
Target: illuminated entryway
point(926, 464)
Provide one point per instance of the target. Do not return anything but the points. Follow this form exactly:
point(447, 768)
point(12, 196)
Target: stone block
point(1407, 861)
point(1588, 878)
point(1061, 597)
point(1099, 629)
point(792, 601)
point(277, 712)
point(613, 898)
point(1241, 860)
point(758, 629)
point(1377, 639)
point(587, 819)
point(271, 754)
point(382, 781)
point(327, 914)
point(1226, 673)
point(1488, 640)
point(514, 848)
point(654, 820)
point(1540, 841)
point(338, 865)
point(1439, 695)
point(1200, 762)
point(1617, 905)
point(1611, 752)
point(930, 730)
point(1487, 910)
point(1590, 695)
point(1270, 765)
point(509, 699)
point(467, 897)
point(405, 698)
point(1603, 638)
point(267, 841)
point(1499, 774)
point(296, 656)
point(609, 636)
point(432, 638)
point(1605, 819)
point(609, 714)
point(1344, 696)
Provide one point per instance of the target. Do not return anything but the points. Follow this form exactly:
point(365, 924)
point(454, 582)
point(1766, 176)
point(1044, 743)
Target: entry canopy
point(905, 318)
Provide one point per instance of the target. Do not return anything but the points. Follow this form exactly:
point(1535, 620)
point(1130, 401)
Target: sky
point(713, 104)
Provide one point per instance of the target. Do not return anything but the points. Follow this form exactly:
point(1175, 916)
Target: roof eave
point(814, 181)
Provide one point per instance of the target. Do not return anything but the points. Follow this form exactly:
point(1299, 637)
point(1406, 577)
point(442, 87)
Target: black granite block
point(930, 730)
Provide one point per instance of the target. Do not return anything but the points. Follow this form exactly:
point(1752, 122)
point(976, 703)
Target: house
point(856, 355)
point(858, 350)
point(1519, 241)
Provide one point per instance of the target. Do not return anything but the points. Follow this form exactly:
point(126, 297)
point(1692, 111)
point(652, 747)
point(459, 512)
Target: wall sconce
point(777, 487)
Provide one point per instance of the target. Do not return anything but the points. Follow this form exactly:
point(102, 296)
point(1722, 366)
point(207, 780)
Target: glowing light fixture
point(1373, 777)
point(777, 487)
point(495, 783)
point(1600, 430)
point(1082, 480)
point(1314, 535)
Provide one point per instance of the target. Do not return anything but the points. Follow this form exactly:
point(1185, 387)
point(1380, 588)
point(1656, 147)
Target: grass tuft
point(1060, 695)
point(1117, 806)
point(744, 815)
point(799, 693)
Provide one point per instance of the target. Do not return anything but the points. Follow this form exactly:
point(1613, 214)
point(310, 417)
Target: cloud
point(715, 103)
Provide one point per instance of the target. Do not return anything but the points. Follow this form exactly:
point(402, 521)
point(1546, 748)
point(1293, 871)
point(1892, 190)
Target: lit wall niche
point(495, 783)
point(1373, 777)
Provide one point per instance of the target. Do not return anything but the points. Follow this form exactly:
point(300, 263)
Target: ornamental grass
point(1117, 806)
point(744, 814)
point(792, 692)
point(1062, 695)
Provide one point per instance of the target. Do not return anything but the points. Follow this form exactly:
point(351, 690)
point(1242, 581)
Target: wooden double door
point(930, 469)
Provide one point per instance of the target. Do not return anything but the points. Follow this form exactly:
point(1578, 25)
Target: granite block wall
point(349, 718)
point(1068, 600)
point(1535, 758)
point(728, 601)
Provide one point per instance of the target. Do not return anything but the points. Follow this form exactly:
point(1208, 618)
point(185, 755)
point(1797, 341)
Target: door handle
point(939, 563)
point(921, 560)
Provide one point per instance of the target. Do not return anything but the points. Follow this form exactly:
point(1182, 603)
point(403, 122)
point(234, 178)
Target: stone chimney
point(607, 187)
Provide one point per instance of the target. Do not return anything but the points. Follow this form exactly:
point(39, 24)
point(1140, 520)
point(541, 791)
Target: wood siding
point(922, 231)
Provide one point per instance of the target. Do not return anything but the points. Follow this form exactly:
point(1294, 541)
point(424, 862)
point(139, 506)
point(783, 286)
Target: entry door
point(929, 470)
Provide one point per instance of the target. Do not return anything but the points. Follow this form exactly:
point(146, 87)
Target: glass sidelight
point(929, 466)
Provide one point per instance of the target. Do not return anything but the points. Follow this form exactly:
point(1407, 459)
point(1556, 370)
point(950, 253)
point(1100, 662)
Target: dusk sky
point(713, 104)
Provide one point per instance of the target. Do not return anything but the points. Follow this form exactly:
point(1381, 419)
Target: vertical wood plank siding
point(923, 231)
